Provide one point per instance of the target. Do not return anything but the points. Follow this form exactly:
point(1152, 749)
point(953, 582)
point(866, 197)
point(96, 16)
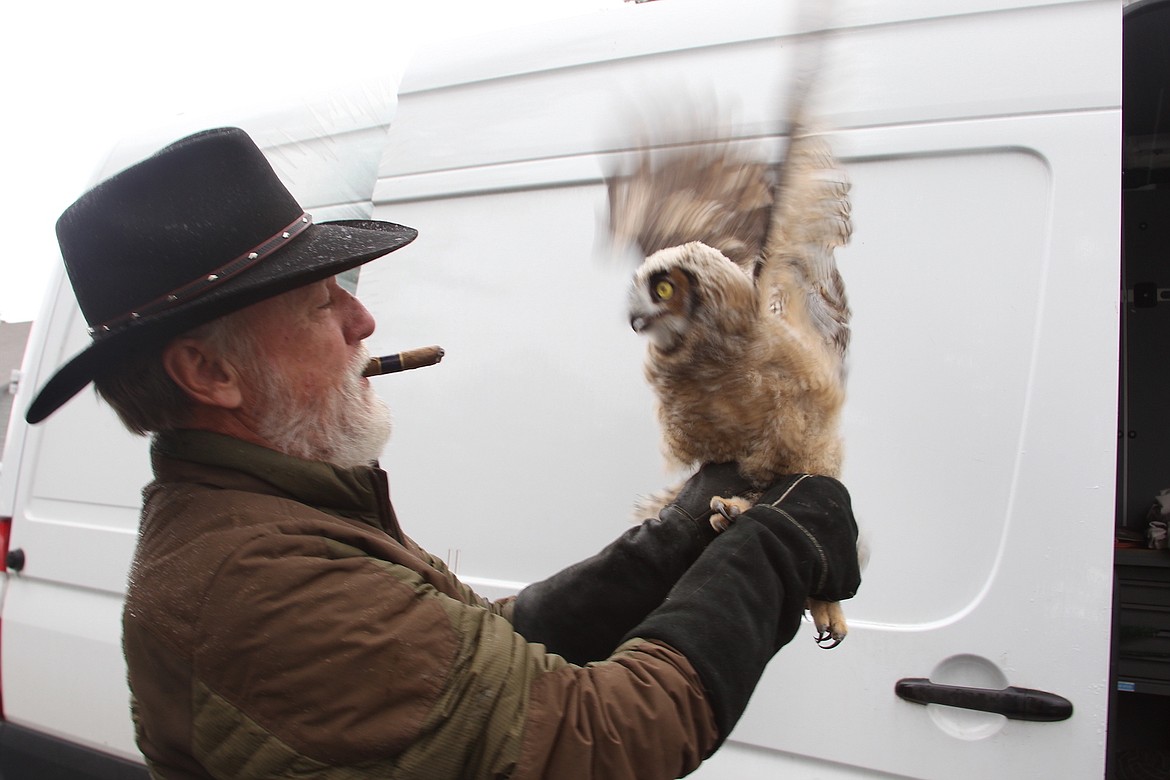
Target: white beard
point(347, 428)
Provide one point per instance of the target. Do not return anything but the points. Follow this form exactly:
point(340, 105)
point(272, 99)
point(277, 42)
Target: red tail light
point(5, 533)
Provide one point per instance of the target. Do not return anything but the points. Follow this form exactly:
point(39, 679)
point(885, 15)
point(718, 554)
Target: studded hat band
point(204, 283)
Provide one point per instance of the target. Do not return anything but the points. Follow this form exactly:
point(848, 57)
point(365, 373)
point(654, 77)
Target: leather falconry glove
point(743, 598)
point(582, 612)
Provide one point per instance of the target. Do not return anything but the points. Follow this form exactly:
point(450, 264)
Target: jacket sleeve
point(323, 659)
point(456, 588)
point(642, 713)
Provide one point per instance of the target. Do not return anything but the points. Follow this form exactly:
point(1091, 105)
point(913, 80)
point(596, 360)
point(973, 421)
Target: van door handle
point(15, 560)
point(1011, 702)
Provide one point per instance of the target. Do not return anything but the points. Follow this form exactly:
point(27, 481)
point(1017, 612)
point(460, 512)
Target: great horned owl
point(745, 312)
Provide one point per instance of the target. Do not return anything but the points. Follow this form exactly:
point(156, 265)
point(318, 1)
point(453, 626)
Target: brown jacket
point(278, 623)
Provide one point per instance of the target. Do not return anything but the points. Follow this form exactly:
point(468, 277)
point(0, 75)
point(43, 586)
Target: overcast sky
point(79, 75)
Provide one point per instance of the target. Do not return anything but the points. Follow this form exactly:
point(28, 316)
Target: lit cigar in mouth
point(404, 361)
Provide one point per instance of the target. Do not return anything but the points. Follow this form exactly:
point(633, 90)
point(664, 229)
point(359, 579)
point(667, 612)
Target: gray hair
point(142, 393)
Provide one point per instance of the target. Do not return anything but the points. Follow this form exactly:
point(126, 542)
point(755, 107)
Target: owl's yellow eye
point(664, 290)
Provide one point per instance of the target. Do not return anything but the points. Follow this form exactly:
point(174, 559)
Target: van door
point(980, 426)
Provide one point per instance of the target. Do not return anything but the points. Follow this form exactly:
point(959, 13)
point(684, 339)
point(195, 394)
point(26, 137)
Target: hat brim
point(321, 251)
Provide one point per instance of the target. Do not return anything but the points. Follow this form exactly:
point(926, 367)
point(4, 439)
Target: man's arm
point(583, 612)
point(337, 659)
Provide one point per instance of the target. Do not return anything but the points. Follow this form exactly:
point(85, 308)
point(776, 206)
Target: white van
point(984, 140)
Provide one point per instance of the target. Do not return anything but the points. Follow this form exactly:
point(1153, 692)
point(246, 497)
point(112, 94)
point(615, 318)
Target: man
point(278, 622)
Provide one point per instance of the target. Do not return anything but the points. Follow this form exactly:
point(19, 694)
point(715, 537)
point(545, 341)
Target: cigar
point(404, 361)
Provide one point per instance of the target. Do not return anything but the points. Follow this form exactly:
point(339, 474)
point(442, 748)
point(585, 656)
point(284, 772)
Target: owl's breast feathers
point(733, 399)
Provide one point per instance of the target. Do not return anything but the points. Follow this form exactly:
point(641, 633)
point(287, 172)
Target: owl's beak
point(639, 323)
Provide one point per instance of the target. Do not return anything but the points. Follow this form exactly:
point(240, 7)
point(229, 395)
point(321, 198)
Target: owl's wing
point(810, 220)
point(710, 193)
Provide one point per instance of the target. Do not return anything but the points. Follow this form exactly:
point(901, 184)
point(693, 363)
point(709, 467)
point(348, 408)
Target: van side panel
point(981, 421)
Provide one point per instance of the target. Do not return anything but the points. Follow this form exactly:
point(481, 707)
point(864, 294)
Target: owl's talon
point(829, 621)
point(824, 638)
point(728, 512)
point(721, 521)
point(728, 509)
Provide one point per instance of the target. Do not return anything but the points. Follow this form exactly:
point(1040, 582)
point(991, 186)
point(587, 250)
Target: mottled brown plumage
point(745, 311)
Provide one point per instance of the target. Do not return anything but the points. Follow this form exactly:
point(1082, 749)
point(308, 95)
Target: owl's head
point(684, 290)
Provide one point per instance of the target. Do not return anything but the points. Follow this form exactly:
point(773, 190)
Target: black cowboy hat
point(200, 229)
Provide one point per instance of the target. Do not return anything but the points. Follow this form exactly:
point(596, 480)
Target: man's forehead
point(310, 291)
point(316, 288)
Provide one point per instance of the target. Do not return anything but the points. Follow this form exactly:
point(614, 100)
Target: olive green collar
point(350, 492)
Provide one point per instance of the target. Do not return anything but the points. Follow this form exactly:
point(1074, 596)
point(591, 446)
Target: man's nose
point(359, 323)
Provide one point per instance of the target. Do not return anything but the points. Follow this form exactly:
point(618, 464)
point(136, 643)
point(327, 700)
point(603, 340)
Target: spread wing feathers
point(782, 223)
point(810, 221)
point(708, 193)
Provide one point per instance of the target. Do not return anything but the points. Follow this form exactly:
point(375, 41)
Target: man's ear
point(202, 374)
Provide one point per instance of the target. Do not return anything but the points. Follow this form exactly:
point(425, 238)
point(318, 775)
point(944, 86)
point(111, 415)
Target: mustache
point(357, 363)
